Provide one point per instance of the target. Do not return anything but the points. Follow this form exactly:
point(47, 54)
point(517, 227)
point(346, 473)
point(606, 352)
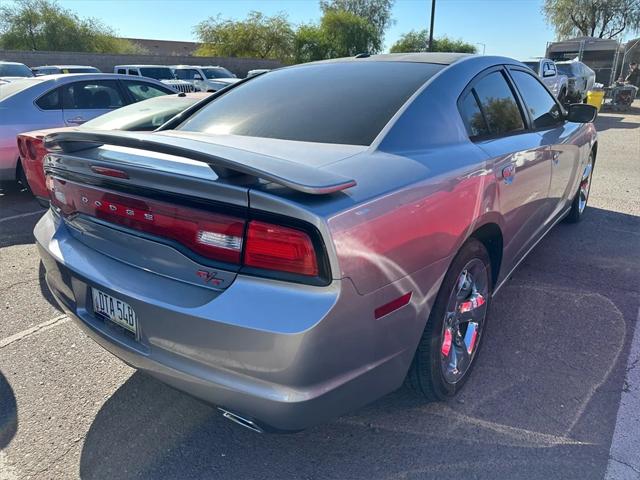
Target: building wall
point(165, 47)
point(106, 62)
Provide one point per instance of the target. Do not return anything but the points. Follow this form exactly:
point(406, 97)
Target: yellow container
point(595, 98)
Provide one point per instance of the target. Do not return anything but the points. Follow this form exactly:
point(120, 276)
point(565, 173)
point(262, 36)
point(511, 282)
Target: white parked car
point(546, 69)
point(157, 72)
point(205, 78)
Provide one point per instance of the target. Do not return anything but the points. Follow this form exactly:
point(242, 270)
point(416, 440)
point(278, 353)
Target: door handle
point(509, 173)
point(76, 120)
point(555, 156)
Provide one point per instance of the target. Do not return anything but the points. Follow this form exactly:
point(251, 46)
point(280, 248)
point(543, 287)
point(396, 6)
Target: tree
point(418, 41)
point(45, 25)
point(592, 18)
point(347, 34)
point(376, 12)
point(310, 44)
point(257, 36)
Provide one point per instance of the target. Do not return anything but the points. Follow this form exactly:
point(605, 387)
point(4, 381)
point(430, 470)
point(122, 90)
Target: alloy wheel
point(464, 321)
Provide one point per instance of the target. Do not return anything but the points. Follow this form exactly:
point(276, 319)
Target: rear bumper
point(286, 356)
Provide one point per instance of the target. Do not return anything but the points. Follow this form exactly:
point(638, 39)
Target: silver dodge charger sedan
point(303, 242)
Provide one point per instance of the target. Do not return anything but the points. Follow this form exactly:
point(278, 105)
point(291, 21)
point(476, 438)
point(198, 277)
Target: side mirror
point(197, 76)
point(582, 113)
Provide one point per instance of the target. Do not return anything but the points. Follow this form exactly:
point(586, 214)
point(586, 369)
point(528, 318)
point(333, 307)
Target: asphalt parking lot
point(543, 402)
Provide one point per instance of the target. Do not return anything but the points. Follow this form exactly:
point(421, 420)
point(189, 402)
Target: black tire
point(425, 375)
point(577, 209)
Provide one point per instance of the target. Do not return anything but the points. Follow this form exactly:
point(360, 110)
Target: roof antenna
point(363, 55)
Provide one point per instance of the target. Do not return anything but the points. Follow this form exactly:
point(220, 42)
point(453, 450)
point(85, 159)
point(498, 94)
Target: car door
point(88, 99)
point(519, 164)
point(548, 119)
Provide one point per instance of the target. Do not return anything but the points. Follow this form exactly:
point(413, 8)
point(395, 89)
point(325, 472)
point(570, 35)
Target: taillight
point(31, 147)
point(212, 235)
point(267, 247)
point(274, 247)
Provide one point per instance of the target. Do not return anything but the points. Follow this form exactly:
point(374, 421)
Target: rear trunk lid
point(179, 206)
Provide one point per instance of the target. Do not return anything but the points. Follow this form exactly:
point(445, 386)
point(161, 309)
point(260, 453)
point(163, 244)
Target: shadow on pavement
point(19, 213)
point(539, 404)
point(607, 120)
point(8, 413)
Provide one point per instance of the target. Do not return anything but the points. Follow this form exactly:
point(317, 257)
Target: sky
point(514, 28)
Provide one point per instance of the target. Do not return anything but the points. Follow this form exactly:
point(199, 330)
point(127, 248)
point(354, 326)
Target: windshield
point(565, 69)
point(146, 115)
point(219, 72)
point(532, 65)
point(159, 73)
point(339, 102)
point(15, 70)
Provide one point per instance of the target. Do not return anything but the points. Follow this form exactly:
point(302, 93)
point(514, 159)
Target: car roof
point(141, 66)
point(11, 63)
point(65, 66)
point(440, 58)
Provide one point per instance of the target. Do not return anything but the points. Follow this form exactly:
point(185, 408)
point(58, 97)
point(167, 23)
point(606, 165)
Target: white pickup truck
point(548, 73)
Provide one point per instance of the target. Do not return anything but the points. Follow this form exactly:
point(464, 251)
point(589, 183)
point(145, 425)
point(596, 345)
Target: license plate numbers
point(117, 311)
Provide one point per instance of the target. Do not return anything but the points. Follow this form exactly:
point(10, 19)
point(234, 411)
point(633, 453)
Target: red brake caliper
point(446, 342)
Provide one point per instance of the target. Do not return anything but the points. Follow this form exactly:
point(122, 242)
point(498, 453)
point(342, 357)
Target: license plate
point(117, 311)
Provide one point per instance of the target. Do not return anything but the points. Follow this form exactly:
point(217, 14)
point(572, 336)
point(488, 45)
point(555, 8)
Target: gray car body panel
point(289, 355)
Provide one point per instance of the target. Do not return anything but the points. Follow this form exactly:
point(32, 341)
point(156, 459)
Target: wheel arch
point(490, 235)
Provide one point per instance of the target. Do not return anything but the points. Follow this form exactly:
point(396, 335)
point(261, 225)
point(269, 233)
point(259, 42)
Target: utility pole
point(433, 13)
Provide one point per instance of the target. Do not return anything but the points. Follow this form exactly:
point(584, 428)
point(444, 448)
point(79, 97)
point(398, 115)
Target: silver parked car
point(10, 70)
point(62, 100)
point(290, 257)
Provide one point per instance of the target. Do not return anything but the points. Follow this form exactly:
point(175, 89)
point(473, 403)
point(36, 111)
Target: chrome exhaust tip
point(244, 422)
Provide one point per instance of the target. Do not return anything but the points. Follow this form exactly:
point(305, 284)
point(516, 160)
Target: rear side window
point(133, 72)
point(498, 104)
point(472, 116)
point(336, 102)
point(142, 91)
point(50, 100)
point(544, 110)
point(121, 71)
point(92, 95)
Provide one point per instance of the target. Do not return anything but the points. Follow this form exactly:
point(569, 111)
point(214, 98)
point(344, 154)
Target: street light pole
point(433, 13)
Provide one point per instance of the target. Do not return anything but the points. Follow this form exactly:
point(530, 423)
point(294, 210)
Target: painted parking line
point(624, 460)
point(40, 328)
point(21, 215)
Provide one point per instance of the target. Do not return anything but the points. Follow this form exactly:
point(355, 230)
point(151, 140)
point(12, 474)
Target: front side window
point(50, 101)
point(498, 104)
point(142, 91)
point(340, 102)
point(92, 95)
point(133, 71)
point(544, 110)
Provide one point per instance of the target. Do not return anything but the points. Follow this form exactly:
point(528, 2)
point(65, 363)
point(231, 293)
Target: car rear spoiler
point(225, 161)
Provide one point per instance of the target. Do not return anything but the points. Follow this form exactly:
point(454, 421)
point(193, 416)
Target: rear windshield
point(145, 115)
point(342, 102)
point(16, 86)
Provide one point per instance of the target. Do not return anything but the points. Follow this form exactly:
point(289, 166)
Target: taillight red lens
point(212, 235)
point(275, 247)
